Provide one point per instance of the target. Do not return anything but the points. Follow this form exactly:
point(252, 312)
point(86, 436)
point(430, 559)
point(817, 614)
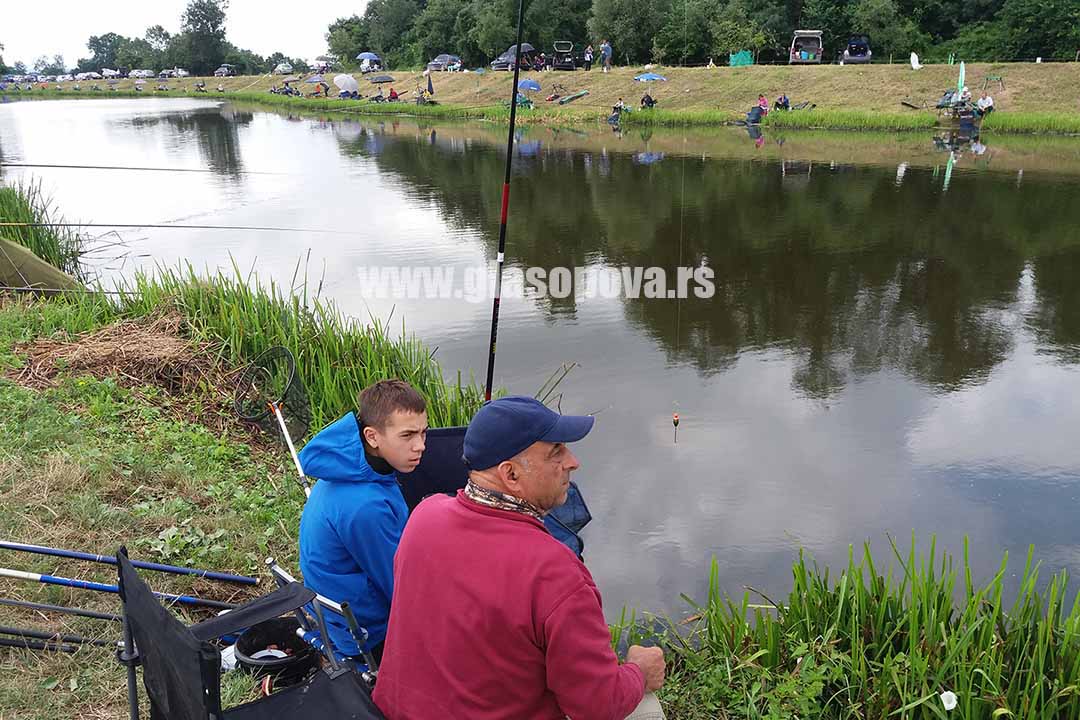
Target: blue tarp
point(649, 77)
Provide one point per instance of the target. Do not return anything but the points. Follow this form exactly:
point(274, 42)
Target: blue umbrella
point(529, 84)
point(647, 77)
point(648, 158)
point(315, 79)
point(368, 56)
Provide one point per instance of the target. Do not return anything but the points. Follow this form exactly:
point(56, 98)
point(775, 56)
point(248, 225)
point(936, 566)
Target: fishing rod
point(102, 587)
point(108, 559)
point(36, 645)
point(44, 607)
point(54, 637)
point(499, 259)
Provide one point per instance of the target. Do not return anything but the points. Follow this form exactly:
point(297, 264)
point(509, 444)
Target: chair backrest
point(182, 674)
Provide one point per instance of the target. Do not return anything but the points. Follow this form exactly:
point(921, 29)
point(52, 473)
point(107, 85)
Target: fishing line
point(260, 228)
point(138, 168)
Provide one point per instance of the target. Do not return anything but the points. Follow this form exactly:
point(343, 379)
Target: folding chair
point(311, 617)
point(182, 670)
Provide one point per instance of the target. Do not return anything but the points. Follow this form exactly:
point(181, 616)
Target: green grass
point(875, 643)
point(336, 356)
point(61, 247)
point(1033, 122)
point(849, 120)
point(461, 106)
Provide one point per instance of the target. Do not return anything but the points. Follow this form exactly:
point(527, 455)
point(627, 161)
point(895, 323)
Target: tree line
point(688, 32)
point(199, 47)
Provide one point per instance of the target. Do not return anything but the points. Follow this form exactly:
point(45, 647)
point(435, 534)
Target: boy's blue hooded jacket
point(349, 531)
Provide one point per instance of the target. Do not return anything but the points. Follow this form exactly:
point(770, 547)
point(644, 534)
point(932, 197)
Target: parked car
point(283, 69)
point(110, 73)
point(226, 70)
point(444, 63)
point(563, 59)
point(857, 50)
point(64, 78)
point(165, 74)
point(141, 74)
point(806, 47)
point(506, 60)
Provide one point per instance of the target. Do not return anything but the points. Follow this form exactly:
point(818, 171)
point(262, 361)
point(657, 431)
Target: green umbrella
point(960, 82)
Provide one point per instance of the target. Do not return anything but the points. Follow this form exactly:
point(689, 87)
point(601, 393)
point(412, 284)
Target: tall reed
point(26, 202)
point(871, 645)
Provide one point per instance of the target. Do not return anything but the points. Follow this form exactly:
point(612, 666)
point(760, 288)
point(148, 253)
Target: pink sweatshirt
point(493, 618)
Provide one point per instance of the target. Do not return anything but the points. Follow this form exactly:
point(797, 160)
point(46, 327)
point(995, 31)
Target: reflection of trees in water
point(216, 132)
point(848, 271)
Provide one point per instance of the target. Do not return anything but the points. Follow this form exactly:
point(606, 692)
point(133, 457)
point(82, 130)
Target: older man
point(492, 617)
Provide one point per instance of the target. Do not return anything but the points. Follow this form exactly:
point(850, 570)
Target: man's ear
point(371, 436)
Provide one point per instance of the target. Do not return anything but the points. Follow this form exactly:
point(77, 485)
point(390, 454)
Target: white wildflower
point(948, 699)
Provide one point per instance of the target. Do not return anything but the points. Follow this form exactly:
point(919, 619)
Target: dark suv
point(444, 62)
point(563, 59)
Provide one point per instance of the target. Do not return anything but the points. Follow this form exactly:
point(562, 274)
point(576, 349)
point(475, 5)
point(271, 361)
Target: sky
point(298, 30)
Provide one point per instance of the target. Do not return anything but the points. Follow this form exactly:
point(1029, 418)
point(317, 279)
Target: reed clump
point(869, 645)
point(28, 218)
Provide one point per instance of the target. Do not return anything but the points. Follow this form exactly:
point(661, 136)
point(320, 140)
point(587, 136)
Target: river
point(891, 347)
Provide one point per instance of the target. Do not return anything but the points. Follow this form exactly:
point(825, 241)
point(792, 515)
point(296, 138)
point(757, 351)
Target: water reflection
point(849, 269)
point(216, 132)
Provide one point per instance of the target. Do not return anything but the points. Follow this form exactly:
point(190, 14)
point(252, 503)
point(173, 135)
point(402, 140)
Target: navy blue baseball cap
point(502, 428)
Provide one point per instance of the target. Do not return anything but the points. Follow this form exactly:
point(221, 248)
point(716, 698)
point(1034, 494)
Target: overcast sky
point(28, 30)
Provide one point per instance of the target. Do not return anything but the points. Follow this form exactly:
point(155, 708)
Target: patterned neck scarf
point(501, 501)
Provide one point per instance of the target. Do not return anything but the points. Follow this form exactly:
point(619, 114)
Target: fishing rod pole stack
point(40, 640)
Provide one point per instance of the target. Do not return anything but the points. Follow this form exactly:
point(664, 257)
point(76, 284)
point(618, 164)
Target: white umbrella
point(347, 83)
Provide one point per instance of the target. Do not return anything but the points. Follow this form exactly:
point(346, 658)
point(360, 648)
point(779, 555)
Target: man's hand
point(651, 662)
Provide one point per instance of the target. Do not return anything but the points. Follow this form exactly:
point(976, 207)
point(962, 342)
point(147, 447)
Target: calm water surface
point(887, 351)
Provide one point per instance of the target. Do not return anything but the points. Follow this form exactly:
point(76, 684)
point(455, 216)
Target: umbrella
point(291, 78)
point(648, 157)
point(382, 79)
point(960, 80)
point(525, 48)
point(368, 56)
point(430, 87)
point(649, 76)
point(529, 84)
point(347, 83)
point(315, 79)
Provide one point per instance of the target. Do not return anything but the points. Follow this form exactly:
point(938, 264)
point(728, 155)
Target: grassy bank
point(880, 640)
point(848, 97)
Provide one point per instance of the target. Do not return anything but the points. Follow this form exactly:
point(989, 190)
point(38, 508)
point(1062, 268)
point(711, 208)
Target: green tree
point(890, 33)
point(203, 24)
point(103, 49)
point(494, 26)
point(3, 67)
point(19, 68)
point(50, 66)
point(684, 37)
point(735, 29)
point(435, 29)
point(136, 53)
point(1041, 28)
point(549, 20)
point(389, 22)
point(245, 61)
point(347, 37)
point(158, 37)
point(832, 18)
point(630, 26)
